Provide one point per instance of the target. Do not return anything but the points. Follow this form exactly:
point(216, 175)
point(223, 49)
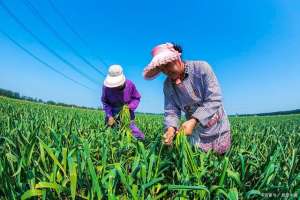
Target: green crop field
point(51, 152)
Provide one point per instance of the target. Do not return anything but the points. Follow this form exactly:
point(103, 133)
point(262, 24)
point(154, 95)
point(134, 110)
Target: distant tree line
point(289, 112)
point(16, 95)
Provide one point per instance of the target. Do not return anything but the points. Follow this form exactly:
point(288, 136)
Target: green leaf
point(92, 171)
point(54, 158)
point(233, 194)
point(48, 185)
point(188, 187)
point(31, 193)
point(73, 176)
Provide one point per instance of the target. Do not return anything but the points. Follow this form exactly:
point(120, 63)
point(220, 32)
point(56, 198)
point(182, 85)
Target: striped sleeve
point(212, 96)
point(172, 111)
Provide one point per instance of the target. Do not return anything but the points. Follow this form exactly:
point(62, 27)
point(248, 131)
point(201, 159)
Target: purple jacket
point(113, 99)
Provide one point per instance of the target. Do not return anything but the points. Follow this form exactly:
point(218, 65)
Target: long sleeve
point(172, 111)
point(212, 96)
point(135, 98)
point(106, 106)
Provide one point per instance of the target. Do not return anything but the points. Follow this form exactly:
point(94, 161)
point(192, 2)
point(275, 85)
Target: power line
point(43, 62)
point(64, 19)
point(58, 36)
point(8, 11)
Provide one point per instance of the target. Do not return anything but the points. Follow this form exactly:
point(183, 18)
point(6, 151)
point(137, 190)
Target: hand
point(188, 126)
point(129, 107)
point(169, 135)
point(111, 121)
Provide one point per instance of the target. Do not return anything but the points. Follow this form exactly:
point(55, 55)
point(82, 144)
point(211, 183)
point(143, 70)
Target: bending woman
point(191, 87)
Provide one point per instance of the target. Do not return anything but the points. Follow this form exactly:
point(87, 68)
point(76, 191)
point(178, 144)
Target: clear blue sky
point(253, 47)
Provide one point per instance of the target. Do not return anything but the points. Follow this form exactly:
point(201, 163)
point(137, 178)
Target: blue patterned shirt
point(198, 96)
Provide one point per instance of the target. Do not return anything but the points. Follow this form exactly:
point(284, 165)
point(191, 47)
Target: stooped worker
point(117, 92)
point(190, 87)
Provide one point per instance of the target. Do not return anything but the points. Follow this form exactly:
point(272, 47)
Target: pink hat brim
point(151, 71)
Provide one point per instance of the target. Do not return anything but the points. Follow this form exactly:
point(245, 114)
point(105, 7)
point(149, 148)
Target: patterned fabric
point(198, 96)
point(215, 118)
point(220, 145)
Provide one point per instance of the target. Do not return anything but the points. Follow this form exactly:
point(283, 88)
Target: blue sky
point(253, 47)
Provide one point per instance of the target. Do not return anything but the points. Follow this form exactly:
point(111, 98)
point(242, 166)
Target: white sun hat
point(115, 77)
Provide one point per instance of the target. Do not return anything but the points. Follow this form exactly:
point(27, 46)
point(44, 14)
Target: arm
point(172, 117)
point(172, 111)
point(212, 96)
point(106, 106)
point(135, 98)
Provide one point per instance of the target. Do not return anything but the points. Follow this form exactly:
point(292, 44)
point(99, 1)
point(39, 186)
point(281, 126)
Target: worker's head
point(115, 77)
point(173, 69)
point(166, 59)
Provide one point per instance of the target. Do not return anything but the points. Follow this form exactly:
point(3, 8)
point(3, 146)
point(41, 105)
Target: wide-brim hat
point(115, 77)
point(161, 55)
